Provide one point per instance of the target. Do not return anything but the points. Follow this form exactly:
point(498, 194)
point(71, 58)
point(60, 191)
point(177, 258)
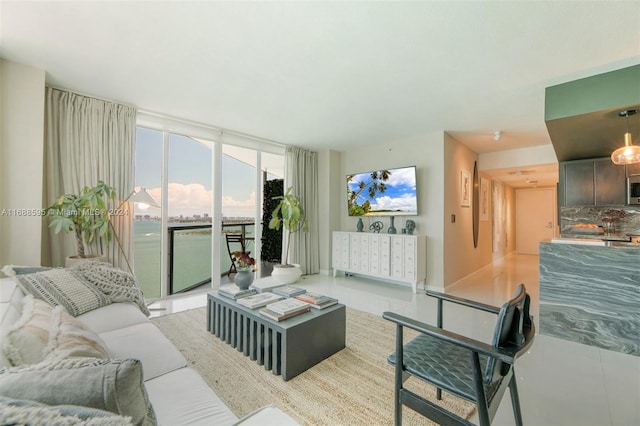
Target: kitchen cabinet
point(595, 182)
point(633, 169)
point(391, 257)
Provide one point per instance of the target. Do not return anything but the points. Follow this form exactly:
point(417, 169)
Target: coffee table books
point(234, 292)
point(317, 301)
point(284, 309)
point(289, 291)
point(281, 317)
point(259, 300)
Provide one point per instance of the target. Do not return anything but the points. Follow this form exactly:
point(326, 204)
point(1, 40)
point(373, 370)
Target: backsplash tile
point(628, 224)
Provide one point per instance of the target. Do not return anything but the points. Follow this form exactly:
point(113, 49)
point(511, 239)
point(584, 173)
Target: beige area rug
point(352, 387)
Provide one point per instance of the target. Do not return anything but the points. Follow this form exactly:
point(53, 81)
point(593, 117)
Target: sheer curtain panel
point(87, 140)
point(301, 172)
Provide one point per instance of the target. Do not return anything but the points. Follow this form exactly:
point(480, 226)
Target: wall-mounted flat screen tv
point(389, 192)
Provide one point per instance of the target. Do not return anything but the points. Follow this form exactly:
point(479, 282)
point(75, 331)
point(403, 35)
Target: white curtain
point(301, 172)
point(87, 140)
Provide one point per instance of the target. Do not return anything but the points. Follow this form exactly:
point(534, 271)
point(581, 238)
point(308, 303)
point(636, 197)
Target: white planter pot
point(288, 274)
point(72, 260)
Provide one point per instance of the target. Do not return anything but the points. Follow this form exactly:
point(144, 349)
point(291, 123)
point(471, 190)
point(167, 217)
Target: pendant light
point(629, 153)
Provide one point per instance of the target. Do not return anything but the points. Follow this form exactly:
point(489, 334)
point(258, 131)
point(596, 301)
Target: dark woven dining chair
point(235, 242)
point(470, 369)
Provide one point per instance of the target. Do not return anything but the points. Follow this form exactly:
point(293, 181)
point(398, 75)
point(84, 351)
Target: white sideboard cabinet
point(394, 257)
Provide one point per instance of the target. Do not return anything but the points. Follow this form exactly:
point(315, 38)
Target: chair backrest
point(513, 322)
point(235, 239)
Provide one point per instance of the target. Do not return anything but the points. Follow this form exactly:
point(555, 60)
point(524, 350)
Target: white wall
point(21, 162)
point(426, 153)
point(460, 256)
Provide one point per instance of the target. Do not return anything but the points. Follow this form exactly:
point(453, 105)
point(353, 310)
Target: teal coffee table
point(287, 347)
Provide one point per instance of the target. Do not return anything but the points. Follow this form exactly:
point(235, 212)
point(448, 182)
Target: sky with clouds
point(190, 168)
point(400, 194)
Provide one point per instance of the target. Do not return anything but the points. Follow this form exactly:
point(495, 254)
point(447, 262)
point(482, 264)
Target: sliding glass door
point(173, 245)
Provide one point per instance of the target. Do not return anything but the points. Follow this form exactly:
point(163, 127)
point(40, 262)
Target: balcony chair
point(467, 368)
point(235, 242)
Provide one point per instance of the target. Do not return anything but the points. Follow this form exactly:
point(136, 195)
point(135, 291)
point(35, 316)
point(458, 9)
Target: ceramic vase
point(360, 225)
point(392, 228)
point(244, 278)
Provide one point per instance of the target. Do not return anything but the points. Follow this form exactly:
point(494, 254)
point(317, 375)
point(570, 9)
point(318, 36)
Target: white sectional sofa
point(177, 393)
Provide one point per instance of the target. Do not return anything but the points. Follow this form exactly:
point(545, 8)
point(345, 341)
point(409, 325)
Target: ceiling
point(335, 75)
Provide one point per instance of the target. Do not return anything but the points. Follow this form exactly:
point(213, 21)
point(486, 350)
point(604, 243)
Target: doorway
point(535, 218)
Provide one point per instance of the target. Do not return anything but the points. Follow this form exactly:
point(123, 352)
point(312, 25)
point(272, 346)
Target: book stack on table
point(284, 309)
point(317, 301)
point(259, 300)
point(289, 291)
point(234, 292)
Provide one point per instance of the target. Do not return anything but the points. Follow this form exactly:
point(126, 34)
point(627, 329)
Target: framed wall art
point(465, 188)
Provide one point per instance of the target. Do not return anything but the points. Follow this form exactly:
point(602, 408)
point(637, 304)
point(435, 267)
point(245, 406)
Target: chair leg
point(398, 376)
point(481, 399)
point(515, 400)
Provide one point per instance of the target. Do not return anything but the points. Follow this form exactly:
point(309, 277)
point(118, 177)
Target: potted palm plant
point(289, 214)
point(85, 213)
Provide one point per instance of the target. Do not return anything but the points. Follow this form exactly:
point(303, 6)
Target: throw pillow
point(119, 285)
point(105, 384)
point(64, 287)
point(25, 412)
point(25, 341)
point(43, 330)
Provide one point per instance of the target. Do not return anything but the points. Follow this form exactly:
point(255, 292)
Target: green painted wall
point(600, 92)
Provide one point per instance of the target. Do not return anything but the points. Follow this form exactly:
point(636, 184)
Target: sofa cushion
point(63, 287)
point(113, 317)
point(43, 330)
point(111, 385)
point(32, 413)
point(146, 343)
point(13, 270)
point(182, 397)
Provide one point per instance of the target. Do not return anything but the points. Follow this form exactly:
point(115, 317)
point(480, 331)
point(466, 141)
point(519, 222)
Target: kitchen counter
point(634, 241)
point(590, 293)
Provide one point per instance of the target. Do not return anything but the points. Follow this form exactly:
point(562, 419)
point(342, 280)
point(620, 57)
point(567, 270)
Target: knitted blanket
point(119, 285)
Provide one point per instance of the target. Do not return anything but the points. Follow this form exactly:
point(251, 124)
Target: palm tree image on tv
point(375, 184)
point(387, 192)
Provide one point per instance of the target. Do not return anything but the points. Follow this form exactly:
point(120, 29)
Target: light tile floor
point(560, 382)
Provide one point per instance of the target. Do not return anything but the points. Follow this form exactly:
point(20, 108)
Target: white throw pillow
point(43, 331)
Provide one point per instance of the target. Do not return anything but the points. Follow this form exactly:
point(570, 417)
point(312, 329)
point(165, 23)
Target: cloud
point(239, 208)
point(403, 177)
point(194, 199)
point(406, 203)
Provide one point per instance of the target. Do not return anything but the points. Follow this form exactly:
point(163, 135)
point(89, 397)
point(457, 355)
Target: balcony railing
point(190, 256)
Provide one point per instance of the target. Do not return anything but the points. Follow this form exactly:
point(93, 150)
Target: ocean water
point(192, 256)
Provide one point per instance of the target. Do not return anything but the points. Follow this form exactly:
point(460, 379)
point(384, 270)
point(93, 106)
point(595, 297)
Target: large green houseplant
point(85, 213)
point(289, 214)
